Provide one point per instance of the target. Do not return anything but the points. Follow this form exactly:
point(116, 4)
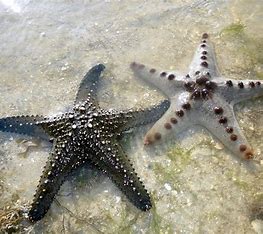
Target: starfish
point(201, 97)
point(89, 135)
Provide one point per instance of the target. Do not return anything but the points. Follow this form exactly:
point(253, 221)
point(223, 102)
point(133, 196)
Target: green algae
point(256, 209)
point(157, 224)
point(248, 48)
point(235, 29)
point(259, 196)
point(128, 220)
point(259, 75)
point(237, 181)
point(125, 222)
point(180, 159)
point(167, 175)
point(212, 215)
point(241, 184)
point(179, 156)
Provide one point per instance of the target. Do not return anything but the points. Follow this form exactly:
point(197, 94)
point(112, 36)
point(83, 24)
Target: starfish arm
point(204, 59)
point(55, 125)
point(166, 82)
point(219, 119)
point(174, 121)
point(128, 119)
point(235, 91)
point(111, 159)
point(89, 84)
point(63, 159)
point(27, 125)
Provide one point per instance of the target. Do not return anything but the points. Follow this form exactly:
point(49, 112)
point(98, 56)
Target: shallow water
point(196, 185)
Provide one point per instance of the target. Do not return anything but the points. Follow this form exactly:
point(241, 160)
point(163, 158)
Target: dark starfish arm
point(27, 125)
point(111, 159)
point(55, 126)
point(63, 159)
point(148, 115)
point(135, 118)
point(235, 91)
point(89, 84)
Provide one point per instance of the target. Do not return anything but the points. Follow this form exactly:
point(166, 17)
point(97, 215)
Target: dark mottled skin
point(86, 134)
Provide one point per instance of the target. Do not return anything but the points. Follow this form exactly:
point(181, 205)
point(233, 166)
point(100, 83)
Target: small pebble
point(167, 186)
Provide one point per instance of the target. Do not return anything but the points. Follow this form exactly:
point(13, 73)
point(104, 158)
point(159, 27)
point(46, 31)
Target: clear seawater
point(196, 185)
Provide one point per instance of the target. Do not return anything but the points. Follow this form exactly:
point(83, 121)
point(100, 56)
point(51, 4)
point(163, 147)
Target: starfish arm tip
point(146, 142)
point(99, 67)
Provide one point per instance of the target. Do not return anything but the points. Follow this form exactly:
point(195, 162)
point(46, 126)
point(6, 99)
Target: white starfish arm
point(174, 121)
point(166, 82)
point(204, 59)
point(219, 119)
point(235, 91)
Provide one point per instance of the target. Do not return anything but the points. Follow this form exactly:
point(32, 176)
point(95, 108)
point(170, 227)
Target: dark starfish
point(85, 135)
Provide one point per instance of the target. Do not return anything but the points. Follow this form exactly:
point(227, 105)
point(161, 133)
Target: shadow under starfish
point(86, 134)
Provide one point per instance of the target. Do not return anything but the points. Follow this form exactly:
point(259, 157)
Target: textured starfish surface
point(201, 97)
point(86, 134)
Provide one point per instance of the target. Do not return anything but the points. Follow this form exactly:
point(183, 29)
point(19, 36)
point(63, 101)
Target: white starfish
point(202, 97)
